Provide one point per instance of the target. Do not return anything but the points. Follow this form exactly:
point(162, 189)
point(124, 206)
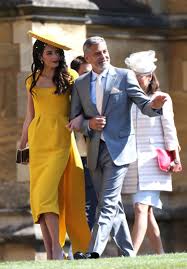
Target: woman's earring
point(41, 61)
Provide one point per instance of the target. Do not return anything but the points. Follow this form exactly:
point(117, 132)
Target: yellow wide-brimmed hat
point(50, 39)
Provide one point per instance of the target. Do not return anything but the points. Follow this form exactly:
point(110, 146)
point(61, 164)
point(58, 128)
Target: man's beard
point(104, 66)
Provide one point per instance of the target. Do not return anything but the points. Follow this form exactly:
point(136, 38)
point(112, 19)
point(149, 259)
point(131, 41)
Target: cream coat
point(144, 174)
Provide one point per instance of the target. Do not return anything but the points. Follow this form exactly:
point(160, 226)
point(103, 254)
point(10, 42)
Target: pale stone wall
point(16, 252)
point(157, 6)
point(176, 6)
point(16, 59)
point(177, 55)
point(169, 6)
point(122, 43)
point(120, 49)
point(9, 64)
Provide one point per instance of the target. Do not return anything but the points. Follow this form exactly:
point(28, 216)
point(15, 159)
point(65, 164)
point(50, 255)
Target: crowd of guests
point(93, 130)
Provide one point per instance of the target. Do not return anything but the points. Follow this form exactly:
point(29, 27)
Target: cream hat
point(142, 62)
point(50, 38)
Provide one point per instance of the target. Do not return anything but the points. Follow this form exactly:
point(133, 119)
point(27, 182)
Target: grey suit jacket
point(122, 89)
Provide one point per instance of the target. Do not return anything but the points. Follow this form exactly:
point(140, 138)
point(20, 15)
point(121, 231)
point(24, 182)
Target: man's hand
point(75, 124)
point(97, 123)
point(158, 101)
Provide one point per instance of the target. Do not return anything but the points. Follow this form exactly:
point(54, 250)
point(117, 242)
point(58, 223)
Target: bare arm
point(28, 118)
point(75, 124)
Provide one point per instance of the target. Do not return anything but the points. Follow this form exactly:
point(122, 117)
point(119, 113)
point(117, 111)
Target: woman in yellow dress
point(56, 175)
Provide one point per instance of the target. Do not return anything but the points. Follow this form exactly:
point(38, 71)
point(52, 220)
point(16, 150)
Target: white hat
point(142, 62)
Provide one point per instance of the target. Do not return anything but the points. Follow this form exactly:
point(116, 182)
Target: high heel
point(70, 253)
point(64, 256)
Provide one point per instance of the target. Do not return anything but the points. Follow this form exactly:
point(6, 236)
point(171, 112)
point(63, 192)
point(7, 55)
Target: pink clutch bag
point(164, 158)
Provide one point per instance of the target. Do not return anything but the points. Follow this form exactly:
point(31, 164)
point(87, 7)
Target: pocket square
point(115, 90)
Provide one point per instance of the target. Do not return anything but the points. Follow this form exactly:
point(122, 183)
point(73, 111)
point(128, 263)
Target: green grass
point(167, 261)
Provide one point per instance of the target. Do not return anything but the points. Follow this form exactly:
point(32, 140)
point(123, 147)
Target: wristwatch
point(176, 161)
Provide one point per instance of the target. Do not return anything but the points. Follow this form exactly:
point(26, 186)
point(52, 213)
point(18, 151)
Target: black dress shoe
point(92, 255)
point(79, 256)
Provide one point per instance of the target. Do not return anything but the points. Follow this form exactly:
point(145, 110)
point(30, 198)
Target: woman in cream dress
point(144, 179)
point(56, 175)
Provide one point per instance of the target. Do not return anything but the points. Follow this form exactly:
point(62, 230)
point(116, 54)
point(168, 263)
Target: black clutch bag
point(22, 156)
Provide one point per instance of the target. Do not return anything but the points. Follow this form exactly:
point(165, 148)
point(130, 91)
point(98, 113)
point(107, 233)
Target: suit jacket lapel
point(111, 78)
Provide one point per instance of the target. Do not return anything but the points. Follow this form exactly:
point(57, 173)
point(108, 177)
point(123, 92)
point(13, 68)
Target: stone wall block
point(174, 6)
point(17, 252)
point(14, 195)
point(5, 32)
point(21, 94)
point(8, 138)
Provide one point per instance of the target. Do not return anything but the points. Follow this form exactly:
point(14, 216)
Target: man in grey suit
point(104, 97)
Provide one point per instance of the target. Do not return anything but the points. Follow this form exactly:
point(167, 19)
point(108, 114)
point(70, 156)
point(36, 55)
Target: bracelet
point(176, 161)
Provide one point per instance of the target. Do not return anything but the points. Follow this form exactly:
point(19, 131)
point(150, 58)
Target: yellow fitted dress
point(56, 173)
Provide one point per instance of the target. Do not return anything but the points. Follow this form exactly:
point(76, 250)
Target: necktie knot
point(99, 77)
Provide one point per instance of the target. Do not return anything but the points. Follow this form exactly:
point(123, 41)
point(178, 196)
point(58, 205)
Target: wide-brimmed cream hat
point(142, 62)
point(50, 38)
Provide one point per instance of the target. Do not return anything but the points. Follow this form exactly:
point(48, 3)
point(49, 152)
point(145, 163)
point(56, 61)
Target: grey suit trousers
point(110, 217)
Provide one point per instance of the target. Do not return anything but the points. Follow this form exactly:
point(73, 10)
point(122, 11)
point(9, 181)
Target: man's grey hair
point(94, 40)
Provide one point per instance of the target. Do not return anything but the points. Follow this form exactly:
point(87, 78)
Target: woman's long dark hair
point(153, 85)
point(62, 79)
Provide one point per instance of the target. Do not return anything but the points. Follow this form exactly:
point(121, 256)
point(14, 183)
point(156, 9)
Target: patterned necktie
point(99, 93)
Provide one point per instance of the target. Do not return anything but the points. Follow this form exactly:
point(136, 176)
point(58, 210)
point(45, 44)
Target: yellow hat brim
point(49, 39)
